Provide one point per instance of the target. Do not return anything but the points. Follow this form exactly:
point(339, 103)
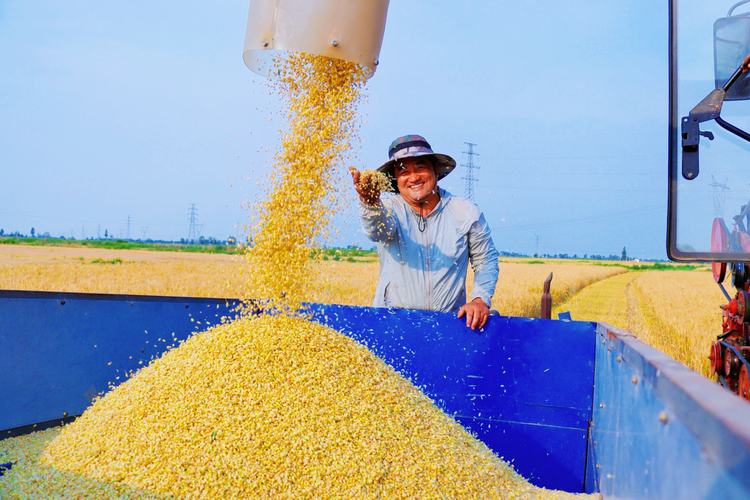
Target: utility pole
point(127, 234)
point(144, 229)
point(469, 177)
point(99, 232)
point(537, 246)
point(193, 217)
point(83, 232)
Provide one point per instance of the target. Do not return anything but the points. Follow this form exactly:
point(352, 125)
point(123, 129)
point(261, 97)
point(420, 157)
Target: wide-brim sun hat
point(410, 146)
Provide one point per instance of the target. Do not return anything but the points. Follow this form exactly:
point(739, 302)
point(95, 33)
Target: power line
point(469, 177)
point(68, 219)
point(127, 234)
point(566, 189)
point(585, 220)
point(594, 157)
point(720, 196)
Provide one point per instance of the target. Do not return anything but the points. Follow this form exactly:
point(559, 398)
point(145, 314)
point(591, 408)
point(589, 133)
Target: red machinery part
point(745, 242)
point(731, 364)
point(717, 362)
point(743, 305)
point(731, 322)
point(720, 271)
point(743, 386)
point(719, 244)
point(731, 308)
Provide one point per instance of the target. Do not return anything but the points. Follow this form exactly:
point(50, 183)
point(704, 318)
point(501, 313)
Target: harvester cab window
point(709, 174)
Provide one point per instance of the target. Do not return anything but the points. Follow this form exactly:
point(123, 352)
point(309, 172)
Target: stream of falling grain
point(304, 184)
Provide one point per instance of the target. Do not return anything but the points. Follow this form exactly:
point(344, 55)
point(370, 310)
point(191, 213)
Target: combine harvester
point(577, 406)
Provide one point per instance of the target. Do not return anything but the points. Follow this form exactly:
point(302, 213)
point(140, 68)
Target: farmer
point(426, 236)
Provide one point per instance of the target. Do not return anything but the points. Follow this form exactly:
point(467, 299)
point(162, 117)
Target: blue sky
point(139, 109)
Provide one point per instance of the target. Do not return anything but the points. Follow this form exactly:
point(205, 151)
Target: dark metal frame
point(672, 252)
point(709, 111)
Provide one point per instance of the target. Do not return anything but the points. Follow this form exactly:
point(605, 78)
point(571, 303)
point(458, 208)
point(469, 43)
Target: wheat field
point(674, 311)
point(520, 285)
point(142, 272)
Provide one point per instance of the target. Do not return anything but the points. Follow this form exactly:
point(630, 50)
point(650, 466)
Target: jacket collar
point(445, 198)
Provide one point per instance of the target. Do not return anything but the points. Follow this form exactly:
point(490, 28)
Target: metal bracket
point(708, 109)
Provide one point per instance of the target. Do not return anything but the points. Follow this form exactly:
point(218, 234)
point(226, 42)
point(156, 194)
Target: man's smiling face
point(416, 179)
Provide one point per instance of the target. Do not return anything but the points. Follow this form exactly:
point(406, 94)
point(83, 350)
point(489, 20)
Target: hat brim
point(444, 165)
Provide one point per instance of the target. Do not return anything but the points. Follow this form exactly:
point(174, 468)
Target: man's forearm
point(376, 223)
point(484, 289)
point(484, 260)
point(485, 277)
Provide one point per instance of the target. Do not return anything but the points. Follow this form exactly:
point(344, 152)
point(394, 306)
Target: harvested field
point(167, 273)
point(519, 288)
point(118, 271)
point(675, 311)
point(22, 254)
point(607, 301)
point(206, 275)
point(211, 275)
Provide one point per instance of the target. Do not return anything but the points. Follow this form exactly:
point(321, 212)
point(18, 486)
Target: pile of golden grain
point(278, 407)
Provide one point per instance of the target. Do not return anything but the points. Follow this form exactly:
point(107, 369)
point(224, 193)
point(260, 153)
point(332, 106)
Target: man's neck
point(427, 204)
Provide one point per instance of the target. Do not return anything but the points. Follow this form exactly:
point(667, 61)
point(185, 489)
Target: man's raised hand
point(369, 192)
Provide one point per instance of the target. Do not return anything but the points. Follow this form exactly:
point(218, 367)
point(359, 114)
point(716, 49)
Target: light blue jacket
point(427, 269)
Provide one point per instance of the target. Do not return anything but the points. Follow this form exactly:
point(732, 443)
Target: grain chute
point(339, 29)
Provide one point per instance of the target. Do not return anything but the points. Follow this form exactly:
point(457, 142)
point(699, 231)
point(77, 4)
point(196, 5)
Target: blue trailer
point(577, 406)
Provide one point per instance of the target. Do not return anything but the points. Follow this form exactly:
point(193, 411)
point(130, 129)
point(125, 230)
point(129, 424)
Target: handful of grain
point(374, 181)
